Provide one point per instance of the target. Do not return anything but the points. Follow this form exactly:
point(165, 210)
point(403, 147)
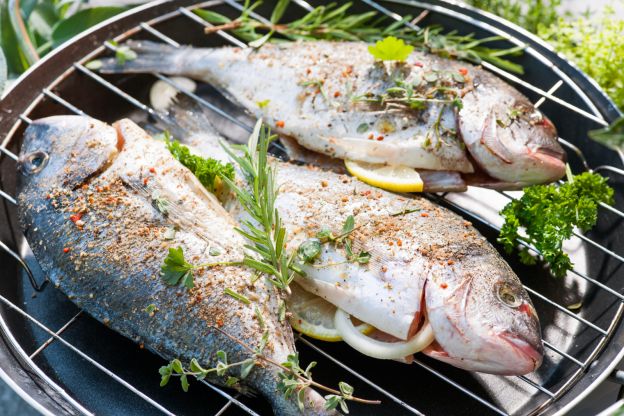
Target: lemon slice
point(314, 316)
point(397, 178)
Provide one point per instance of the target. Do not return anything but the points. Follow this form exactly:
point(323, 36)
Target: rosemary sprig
point(334, 22)
point(264, 231)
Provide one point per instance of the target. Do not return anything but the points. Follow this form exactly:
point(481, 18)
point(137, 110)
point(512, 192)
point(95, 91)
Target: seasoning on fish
point(419, 260)
point(111, 267)
point(426, 112)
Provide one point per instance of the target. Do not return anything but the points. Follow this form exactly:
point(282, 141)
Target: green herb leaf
point(391, 49)
point(259, 317)
point(309, 250)
point(246, 367)
point(81, 21)
point(363, 128)
point(212, 17)
point(207, 170)
point(262, 104)
point(151, 309)
point(237, 296)
point(548, 215)
point(184, 382)
point(175, 267)
point(348, 225)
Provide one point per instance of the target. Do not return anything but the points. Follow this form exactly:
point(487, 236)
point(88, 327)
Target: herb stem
point(288, 370)
point(218, 263)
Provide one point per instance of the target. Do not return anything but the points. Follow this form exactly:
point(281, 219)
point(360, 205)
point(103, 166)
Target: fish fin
point(491, 140)
point(151, 57)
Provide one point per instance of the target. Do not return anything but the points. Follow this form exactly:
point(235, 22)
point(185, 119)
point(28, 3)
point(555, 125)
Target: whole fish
point(428, 112)
point(425, 261)
point(101, 206)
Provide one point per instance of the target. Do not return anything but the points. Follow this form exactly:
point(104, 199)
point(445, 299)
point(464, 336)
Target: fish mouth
point(530, 350)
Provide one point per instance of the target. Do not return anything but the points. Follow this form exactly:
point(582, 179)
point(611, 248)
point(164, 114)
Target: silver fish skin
point(425, 261)
point(87, 205)
point(311, 89)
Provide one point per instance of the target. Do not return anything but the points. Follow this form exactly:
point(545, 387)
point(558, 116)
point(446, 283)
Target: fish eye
point(33, 162)
point(508, 297)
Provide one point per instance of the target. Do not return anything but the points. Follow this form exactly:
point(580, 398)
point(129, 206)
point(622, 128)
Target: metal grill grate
point(546, 394)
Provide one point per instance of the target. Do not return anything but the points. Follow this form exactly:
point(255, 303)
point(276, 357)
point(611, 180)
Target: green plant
point(530, 14)
point(29, 29)
point(596, 46)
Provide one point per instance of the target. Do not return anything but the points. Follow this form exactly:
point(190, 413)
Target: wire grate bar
point(566, 311)
point(550, 91)
point(204, 23)
point(63, 102)
point(537, 386)
point(25, 119)
point(231, 398)
point(493, 68)
point(361, 377)
point(31, 277)
point(84, 356)
point(8, 153)
point(225, 407)
point(59, 332)
point(460, 388)
point(113, 88)
point(159, 35)
point(8, 197)
point(563, 354)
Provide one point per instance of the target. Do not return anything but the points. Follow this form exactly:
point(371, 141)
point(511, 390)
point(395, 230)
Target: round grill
point(64, 362)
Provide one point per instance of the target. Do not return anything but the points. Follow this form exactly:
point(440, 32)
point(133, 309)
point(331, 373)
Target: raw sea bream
point(425, 262)
point(101, 206)
point(336, 99)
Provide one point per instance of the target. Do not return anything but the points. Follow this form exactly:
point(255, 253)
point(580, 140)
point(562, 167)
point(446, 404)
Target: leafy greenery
point(548, 215)
point(207, 170)
point(265, 232)
point(30, 32)
point(390, 49)
point(334, 22)
point(175, 269)
point(596, 46)
point(530, 14)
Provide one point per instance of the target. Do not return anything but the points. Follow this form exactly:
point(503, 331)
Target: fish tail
point(185, 117)
point(151, 57)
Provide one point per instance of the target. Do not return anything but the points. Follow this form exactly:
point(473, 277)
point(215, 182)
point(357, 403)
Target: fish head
point(482, 318)
point(509, 138)
point(65, 151)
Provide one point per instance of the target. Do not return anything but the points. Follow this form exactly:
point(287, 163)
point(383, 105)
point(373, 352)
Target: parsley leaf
point(207, 170)
point(175, 269)
point(548, 215)
point(390, 49)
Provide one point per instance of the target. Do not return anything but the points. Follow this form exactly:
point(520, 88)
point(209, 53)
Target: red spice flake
point(66, 250)
point(280, 123)
point(418, 64)
point(141, 346)
point(219, 322)
point(98, 189)
point(390, 243)
point(366, 193)
point(48, 196)
point(152, 170)
point(324, 184)
point(463, 71)
point(75, 217)
point(337, 94)
point(308, 71)
point(371, 136)
point(443, 285)
point(424, 214)
point(399, 242)
point(145, 181)
point(451, 262)
point(380, 138)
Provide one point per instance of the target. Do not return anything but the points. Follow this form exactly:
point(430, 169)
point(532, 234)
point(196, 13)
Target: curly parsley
point(207, 170)
point(548, 215)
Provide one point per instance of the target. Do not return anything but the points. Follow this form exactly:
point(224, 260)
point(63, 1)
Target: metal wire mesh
point(602, 334)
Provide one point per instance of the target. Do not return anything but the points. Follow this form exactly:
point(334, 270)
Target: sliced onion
point(162, 93)
point(379, 349)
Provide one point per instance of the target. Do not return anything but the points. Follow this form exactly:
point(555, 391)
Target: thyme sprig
point(293, 379)
point(264, 231)
point(334, 22)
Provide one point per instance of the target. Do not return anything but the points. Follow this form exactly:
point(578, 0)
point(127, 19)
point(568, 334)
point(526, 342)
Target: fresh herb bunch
point(207, 170)
point(30, 29)
point(334, 22)
point(595, 45)
point(548, 215)
point(264, 231)
point(530, 14)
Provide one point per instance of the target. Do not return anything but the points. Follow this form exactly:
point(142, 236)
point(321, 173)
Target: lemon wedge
point(397, 178)
point(314, 316)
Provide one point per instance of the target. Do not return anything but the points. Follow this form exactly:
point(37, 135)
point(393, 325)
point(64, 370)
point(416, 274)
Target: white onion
point(162, 93)
point(379, 349)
